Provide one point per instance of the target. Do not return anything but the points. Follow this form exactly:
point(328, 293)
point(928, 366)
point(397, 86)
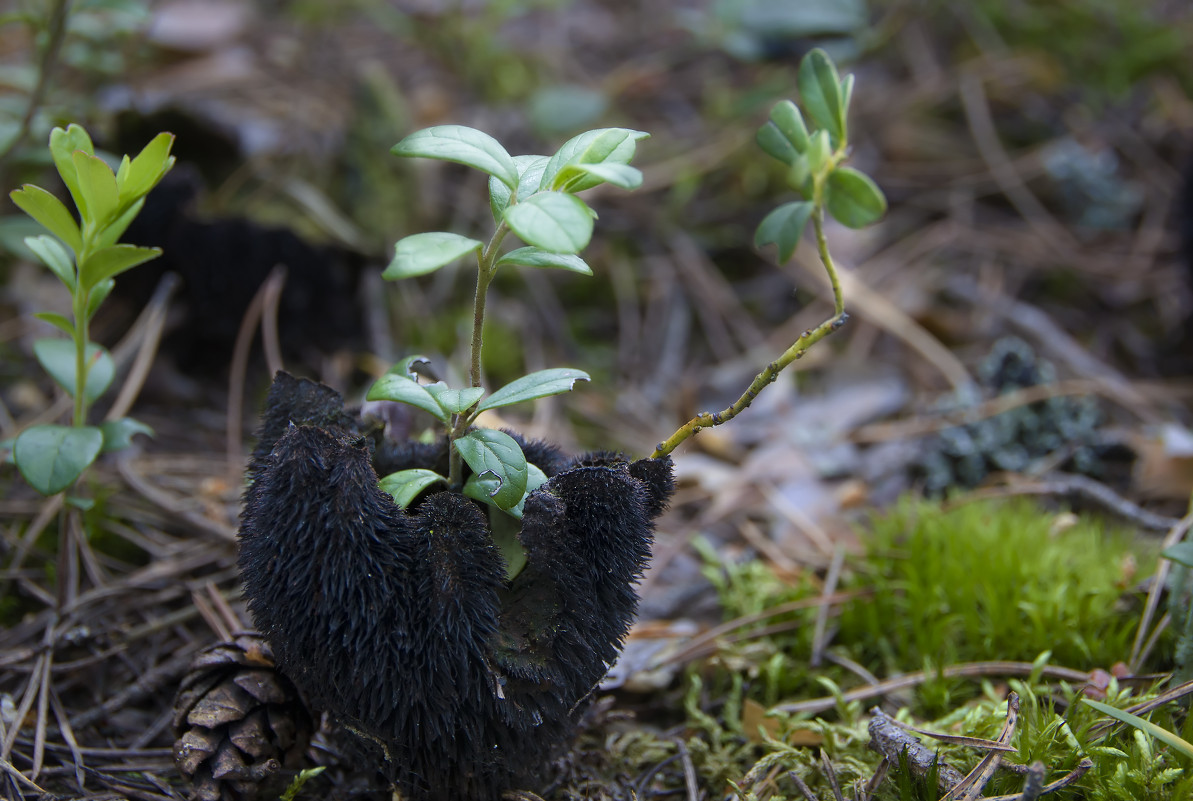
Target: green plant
point(988, 580)
point(86, 258)
point(534, 197)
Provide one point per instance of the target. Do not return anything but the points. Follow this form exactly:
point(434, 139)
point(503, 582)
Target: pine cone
point(237, 721)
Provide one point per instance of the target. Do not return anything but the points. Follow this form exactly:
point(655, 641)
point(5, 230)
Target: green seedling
point(86, 256)
point(535, 198)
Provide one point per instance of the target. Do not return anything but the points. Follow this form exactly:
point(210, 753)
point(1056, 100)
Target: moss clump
point(990, 580)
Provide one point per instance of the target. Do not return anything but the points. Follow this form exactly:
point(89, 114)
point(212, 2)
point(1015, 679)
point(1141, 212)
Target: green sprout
point(815, 169)
point(533, 197)
point(86, 258)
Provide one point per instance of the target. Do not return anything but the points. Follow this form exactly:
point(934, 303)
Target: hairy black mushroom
point(402, 624)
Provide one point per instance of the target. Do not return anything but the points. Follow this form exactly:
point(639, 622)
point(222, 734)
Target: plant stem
point(772, 370)
point(486, 268)
point(79, 417)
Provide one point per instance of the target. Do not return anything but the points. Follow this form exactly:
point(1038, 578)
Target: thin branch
point(772, 370)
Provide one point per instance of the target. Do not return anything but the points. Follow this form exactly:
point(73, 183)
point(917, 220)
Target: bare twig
point(239, 366)
point(819, 641)
point(772, 370)
point(889, 739)
point(1175, 534)
point(154, 316)
point(908, 680)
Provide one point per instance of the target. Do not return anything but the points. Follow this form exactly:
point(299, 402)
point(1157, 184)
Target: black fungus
point(402, 625)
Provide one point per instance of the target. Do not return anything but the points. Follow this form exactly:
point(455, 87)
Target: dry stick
point(270, 340)
point(8, 768)
point(155, 321)
point(707, 641)
point(889, 739)
point(1078, 486)
point(908, 680)
point(985, 136)
point(819, 641)
point(921, 426)
point(162, 500)
point(1175, 535)
point(240, 360)
point(772, 370)
point(68, 735)
point(831, 775)
point(970, 788)
point(689, 771)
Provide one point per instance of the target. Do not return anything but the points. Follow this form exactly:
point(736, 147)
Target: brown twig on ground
point(1073, 486)
point(889, 739)
point(908, 680)
point(1176, 533)
point(267, 296)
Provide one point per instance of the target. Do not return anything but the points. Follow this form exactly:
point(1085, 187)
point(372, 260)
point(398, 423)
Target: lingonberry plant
point(86, 258)
point(535, 198)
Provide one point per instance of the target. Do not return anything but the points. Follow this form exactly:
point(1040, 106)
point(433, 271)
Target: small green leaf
point(553, 221)
point(99, 293)
point(784, 136)
point(784, 227)
point(799, 176)
point(54, 256)
point(57, 356)
point(493, 452)
point(504, 528)
point(534, 257)
point(454, 401)
point(1181, 553)
point(820, 91)
point(59, 321)
point(846, 99)
point(539, 384)
point(147, 169)
point(1146, 726)
point(122, 172)
point(530, 173)
point(424, 253)
point(52, 457)
point(602, 145)
point(118, 434)
point(462, 145)
point(819, 150)
point(406, 485)
point(63, 144)
point(112, 261)
point(622, 176)
point(50, 212)
point(98, 187)
point(116, 228)
point(398, 387)
point(853, 198)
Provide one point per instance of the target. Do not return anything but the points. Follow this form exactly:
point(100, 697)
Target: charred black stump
point(402, 625)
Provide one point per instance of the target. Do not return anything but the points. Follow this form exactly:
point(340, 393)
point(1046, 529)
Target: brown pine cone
point(237, 721)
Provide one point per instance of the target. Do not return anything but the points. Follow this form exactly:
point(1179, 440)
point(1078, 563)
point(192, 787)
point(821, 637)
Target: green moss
point(990, 581)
